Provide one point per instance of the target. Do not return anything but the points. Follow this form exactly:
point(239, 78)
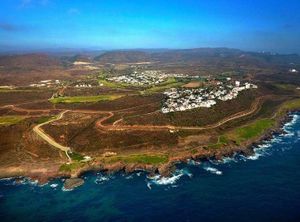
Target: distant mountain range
point(189, 56)
point(184, 56)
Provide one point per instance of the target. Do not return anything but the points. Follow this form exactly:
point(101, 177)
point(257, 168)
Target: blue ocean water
point(262, 187)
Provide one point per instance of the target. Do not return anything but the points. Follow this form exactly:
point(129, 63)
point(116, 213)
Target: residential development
point(145, 78)
point(46, 83)
point(185, 99)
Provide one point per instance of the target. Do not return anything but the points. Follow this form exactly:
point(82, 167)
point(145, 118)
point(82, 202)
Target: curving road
point(254, 107)
point(37, 129)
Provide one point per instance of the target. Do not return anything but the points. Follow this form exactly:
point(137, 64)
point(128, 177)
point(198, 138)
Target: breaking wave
point(54, 185)
point(160, 180)
point(100, 179)
point(66, 190)
point(193, 162)
point(129, 177)
point(213, 170)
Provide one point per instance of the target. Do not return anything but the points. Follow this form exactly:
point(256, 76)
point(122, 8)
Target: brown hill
point(123, 57)
point(28, 61)
point(29, 68)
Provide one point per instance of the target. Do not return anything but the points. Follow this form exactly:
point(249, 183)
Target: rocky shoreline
point(73, 180)
point(72, 183)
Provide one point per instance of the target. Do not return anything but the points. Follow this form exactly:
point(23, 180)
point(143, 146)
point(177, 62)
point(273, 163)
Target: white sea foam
point(28, 181)
point(228, 159)
point(129, 177)
point(101, 178)
point(168, 180)
point(160, 180)
point(288, 126)
point(213, 170)
point(224, 160)
point(263, 146)
point(295, 117)
point(54, 185)
point(193, 162)
point(66, 190)
point(260, 151)
point(276, 140)
point(7, 179)
point(42, 185)
point(255, 156)
point(149, 185)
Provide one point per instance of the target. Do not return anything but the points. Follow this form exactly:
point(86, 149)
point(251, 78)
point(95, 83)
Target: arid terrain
point(61, 116)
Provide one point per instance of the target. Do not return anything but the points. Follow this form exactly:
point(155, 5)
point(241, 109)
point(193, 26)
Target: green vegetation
point(255, 128)
point(44, 119)
point(285, 86)
point(77, 162)
point(243, 133)
point(85, 99)
point(251, 130)
point(139, 158)
point(170, 83)
point(194, 151)
point(223, 140)
point(215, 145)
point(290, 105)
point(114, 85)
point(69, 167)
point(5, 90)
point(10, 120)
point(76, 156)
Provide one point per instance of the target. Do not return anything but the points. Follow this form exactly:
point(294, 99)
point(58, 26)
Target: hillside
point(123, 57)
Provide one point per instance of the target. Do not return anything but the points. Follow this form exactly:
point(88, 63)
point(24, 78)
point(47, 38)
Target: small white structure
point(293, 70)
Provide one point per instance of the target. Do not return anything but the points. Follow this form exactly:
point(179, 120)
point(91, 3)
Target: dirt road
point(37, 129)
point(117, 127)
point(254, 107)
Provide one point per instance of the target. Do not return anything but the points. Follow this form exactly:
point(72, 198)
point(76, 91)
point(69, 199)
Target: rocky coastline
point(74, 180)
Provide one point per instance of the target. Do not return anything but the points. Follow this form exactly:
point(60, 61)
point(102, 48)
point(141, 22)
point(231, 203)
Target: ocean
point(261, 187)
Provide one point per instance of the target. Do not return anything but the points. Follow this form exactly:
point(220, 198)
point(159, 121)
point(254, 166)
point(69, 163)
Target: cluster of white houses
point(83, 85)
point(148, 77)
point(186, 99)
point(45, 83)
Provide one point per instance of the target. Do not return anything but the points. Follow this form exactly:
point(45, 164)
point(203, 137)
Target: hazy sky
point(119, 24)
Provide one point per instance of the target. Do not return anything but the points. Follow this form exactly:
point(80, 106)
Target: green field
point(4, 90)
point(69, 167)
point(139, 158)
point(76, 156)
point(285, 86)
point(114, 85)
point(146, 90)
point(170, 83)
point(85, 99)
point(290, 105)
point(251, 130)
point(10, 120)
